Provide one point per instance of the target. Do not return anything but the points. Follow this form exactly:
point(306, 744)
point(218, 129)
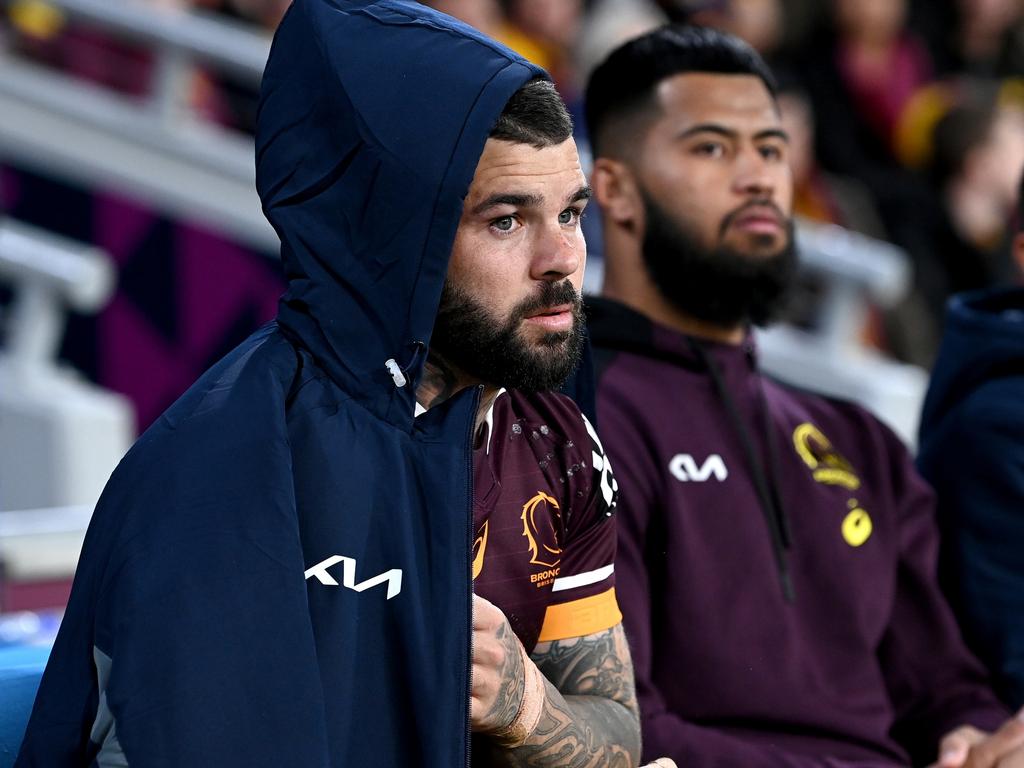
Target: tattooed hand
point(498, 673)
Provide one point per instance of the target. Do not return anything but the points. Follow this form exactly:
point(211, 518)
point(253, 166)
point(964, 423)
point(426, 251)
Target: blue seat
point(21, 668)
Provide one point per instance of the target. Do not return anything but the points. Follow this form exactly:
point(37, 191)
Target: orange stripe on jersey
point(580, 617)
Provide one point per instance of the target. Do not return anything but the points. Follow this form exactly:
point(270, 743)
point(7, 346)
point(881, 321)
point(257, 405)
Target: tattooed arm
point(589, 715)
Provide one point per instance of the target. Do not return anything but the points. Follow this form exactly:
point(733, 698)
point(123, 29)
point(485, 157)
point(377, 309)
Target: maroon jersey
point(543, 506)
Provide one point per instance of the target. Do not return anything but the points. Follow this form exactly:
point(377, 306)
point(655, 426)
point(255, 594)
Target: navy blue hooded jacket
point(972, 451)
point(278, 573)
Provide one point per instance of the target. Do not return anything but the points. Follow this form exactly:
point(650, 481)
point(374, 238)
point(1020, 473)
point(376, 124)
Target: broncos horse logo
point(540, 554)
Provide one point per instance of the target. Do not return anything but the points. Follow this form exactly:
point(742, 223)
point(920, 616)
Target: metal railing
point(152, 148)
point(47, 272)
point(858, 271)
point(228, 46)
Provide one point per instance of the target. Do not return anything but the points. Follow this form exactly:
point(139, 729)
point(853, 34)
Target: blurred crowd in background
point(906, 117)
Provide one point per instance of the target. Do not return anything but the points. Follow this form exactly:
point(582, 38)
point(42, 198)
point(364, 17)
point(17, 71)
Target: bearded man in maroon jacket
point(776, 565)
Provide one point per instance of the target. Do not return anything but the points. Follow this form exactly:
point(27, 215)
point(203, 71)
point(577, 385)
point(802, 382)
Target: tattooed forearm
point(590, 718)
point(510, 696)
point(596, 665)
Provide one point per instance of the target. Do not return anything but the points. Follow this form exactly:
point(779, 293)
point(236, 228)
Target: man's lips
point(558, 318)
point(760, 219)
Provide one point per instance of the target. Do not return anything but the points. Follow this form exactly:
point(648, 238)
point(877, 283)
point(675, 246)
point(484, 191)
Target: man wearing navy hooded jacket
point(972, 451)
point(777, 549)
point(281, 571)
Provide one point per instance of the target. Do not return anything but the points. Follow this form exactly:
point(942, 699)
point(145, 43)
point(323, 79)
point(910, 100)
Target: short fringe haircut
point(623, 85)
point(535, 115)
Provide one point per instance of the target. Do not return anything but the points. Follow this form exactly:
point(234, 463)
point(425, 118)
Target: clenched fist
point(499, 674)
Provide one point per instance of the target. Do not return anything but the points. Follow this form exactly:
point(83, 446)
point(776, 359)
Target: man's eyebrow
point(526, 200)
point(583, 193)
point(772, 133)
point(729, 133)
point(509, 198)
point(721, 130)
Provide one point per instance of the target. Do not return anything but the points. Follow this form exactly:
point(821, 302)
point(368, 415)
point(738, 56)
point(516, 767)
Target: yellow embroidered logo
point(479, 547)
point(827, 465)
point(857, 527)
point(541, 554)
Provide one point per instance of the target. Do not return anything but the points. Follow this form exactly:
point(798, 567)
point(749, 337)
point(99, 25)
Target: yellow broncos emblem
point(827, 465)
point(539, 554)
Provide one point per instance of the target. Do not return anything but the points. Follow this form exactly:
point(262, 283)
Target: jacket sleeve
point(977, 468)
point(209, 657)
point(197, 651)
point(640, 554)
point(934, 682)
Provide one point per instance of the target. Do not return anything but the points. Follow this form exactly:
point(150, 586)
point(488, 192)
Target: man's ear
point(616, 190)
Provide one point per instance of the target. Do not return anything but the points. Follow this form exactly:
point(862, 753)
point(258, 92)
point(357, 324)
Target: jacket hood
point(983, 339)
point(373, 116)
point(614, 326)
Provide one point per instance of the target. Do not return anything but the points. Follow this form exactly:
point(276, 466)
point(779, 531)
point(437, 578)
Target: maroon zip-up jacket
point(780, 596)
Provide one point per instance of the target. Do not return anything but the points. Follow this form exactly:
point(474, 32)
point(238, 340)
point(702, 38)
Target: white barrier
point(60, 437)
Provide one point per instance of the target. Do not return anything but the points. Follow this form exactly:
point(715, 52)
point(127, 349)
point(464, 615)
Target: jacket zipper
point(469, 571)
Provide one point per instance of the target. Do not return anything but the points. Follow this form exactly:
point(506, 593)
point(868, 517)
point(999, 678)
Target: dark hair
point(624, 83)
point(535, 115)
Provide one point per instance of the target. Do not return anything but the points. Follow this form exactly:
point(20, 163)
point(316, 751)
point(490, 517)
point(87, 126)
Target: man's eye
point(569, 215)
point(709, 149)
point(504, 224)
point(771, 153)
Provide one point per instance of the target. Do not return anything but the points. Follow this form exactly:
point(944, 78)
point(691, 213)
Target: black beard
point(468, 336)
point(719, 285)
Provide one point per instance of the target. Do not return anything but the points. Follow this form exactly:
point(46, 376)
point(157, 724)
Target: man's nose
point(754, 175)
point(557, 254)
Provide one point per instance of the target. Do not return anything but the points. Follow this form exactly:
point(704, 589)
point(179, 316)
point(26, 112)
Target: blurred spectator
point(553, 29)
point(758, 22)
point(609, 23)
point(862, 75)
point(765, 24)
point(862, 78)
point(977, 158)
point(803, 18)
point(972, 450)
point(544, 32)
point(236, 99)
point(820, 195)
point(484, 15)
point(982, 38)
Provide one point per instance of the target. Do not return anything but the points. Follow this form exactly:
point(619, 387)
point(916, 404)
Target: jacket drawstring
point(398, 373)
point(766, 484)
